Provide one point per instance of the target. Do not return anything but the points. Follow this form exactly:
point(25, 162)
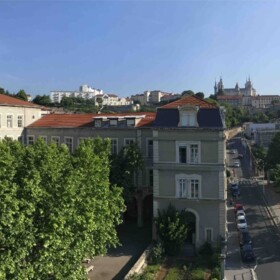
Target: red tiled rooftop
point(86, 120)
point(12, 101)
point(189, 100)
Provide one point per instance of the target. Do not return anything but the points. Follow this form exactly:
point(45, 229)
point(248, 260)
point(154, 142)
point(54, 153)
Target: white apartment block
point(85, 92)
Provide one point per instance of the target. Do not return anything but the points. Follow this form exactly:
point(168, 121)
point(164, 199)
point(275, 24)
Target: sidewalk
point(272, 199)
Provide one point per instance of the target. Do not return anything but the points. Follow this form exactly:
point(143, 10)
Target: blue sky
point(126, 47)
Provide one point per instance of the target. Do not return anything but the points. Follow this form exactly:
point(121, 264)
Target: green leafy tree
point(22, 95)
point(56, 209)
point(172, 229)
point(2, 90)
point(187, 92)
point(67, 101)
point(273, 152)
point(43, 100)
point(125, 167)
point(200, 94)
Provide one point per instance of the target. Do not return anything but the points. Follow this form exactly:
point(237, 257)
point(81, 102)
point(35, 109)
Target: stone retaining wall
point(141, 263)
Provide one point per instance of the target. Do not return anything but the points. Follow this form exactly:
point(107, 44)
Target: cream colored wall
point(30, 115)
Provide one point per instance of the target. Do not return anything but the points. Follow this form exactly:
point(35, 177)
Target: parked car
point(247, 253)
point(241, 222)
point(244, 237)
point(234, 186)
point(235, 193)
point(231, 151)
point(237, 207)
point(236, 164)
point(240, 156)
point(240, 213)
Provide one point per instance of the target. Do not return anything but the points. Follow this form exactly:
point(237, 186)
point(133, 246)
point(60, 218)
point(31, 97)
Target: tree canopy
point(125, 167)
point(56, 208)
point(22, 95)
point(187, 92)
point(200, 94)
point(43, 100)
point(274, 151)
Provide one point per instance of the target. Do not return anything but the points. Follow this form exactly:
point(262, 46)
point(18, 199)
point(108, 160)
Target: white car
point(241, 222)
point(240, 213)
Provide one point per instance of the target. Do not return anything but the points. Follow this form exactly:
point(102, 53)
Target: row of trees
point(21, 94)
point(56, 208)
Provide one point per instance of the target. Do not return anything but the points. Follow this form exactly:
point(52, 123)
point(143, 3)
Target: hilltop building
point(154, 97)
point(246, 97)
point(248, 90)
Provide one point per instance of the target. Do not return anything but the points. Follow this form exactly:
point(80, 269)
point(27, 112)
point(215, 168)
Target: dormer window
point(113, 122)
point(97, 123)
point(188, 116)
point(130, 122)
point(188, 119)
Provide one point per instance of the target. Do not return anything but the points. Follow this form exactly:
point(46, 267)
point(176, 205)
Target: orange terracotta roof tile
point(86, 120)
point(189, 100)
point(12, 101)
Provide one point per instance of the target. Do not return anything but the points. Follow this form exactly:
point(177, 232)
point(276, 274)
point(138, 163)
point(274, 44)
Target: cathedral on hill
point(248, 90)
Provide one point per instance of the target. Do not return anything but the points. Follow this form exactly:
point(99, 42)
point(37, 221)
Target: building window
point(182, 187)
point(128, 141)
point(151, 177)
point(150, 149)
point(20, 121)
point(194, 153)
point(56, 140)
point(9, 121)
point(97, 123)
point(113, 122)
point(20, 139)
point(130, 122)
point(114, 146)
point(188, 186)
point(30, 140)
point(183, 154)
point(188, 118)
point(194, 185)
point(69, 143)
point(188, 152)
point(209, 235)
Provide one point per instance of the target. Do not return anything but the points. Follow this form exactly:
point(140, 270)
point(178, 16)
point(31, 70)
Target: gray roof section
point(206, 118)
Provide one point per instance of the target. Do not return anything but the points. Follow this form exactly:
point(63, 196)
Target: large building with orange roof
point(183, 145)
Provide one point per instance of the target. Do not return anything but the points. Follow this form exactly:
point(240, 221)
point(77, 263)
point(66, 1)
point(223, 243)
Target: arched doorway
point(191, 220)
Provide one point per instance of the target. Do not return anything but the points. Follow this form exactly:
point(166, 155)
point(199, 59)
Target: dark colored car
point(234, 186)
point(247, 253)
point(240, 156)
point(244, 238)
point(235, 192)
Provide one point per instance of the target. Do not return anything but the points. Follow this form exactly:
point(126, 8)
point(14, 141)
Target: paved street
point(262, 213)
